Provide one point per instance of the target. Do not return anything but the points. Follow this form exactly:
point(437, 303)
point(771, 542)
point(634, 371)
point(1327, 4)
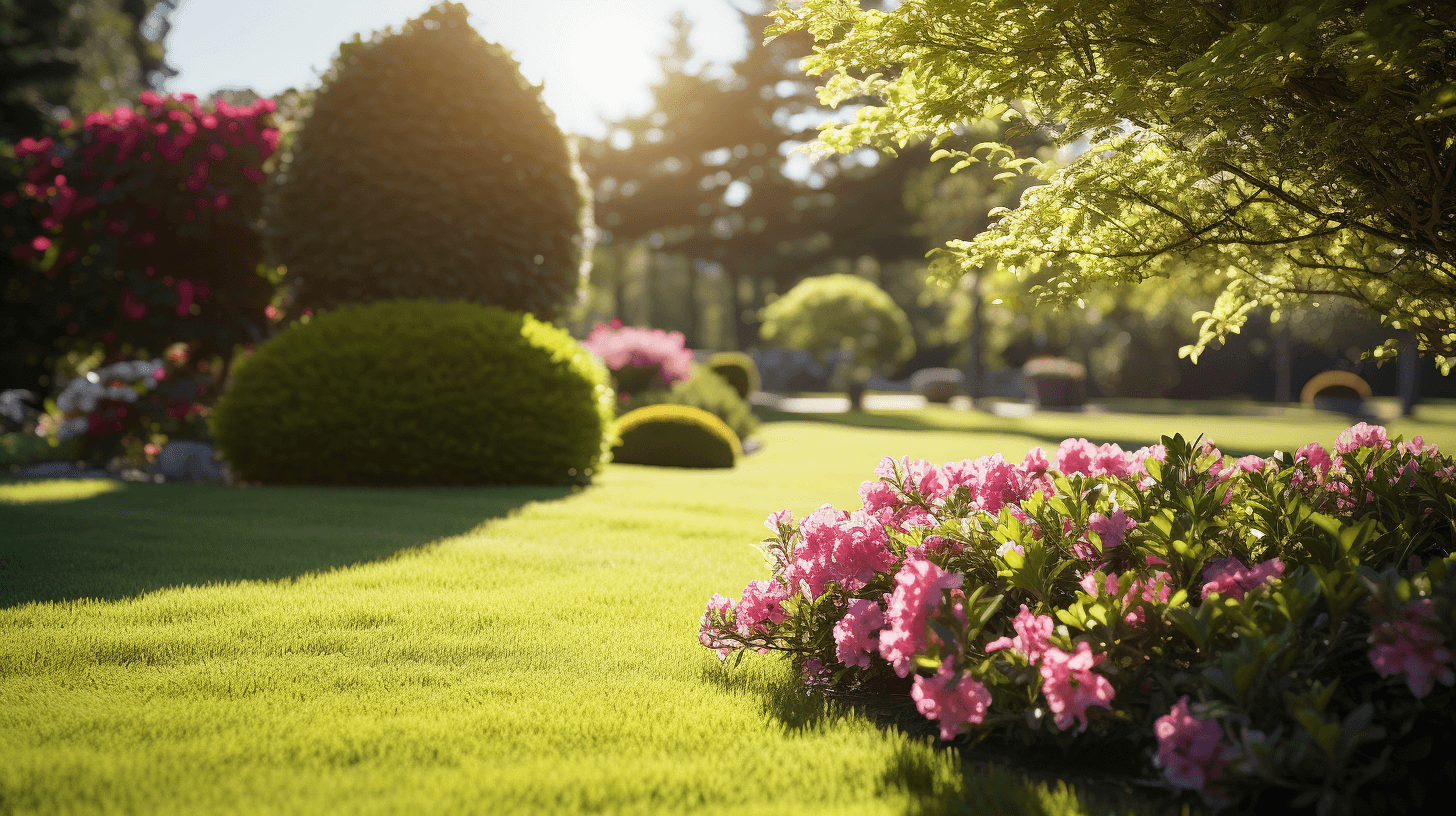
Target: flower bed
point(1274, 629)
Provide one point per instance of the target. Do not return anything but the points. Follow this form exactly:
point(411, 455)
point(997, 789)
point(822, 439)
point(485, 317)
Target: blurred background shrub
point(675, 436)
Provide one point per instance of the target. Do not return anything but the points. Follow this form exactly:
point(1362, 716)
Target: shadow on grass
point(969, 423)
point(140, 538)
point(974, 780)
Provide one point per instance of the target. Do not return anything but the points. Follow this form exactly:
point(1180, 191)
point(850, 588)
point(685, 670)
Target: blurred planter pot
point(1056, 382)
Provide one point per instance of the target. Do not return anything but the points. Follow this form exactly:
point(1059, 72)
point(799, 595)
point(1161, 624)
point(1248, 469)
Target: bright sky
point(596, 57)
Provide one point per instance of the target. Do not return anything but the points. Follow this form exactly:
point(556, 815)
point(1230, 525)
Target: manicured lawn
point(474, 650)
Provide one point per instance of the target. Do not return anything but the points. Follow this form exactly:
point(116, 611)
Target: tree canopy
point(1297, 149)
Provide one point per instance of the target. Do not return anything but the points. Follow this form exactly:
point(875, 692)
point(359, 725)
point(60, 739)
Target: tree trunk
point(1283, 365)
point(1410, 377)
point(690, 318)
point(975, 367)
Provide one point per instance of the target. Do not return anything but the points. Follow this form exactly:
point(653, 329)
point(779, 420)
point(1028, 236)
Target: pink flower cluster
point(1191, 752)
point(918, 591)
point(1078, 456)
point(622, 346)
point(1359, 436)
point(1231, 579)
point(844, 548)
point(856, 636)
point(1411, 645)
point(952, 703)
point(1155, 590)
point(1071, 687)
point(1069, 683)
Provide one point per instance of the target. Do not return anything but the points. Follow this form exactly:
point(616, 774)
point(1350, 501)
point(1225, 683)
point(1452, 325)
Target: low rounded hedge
point(676, 436)
point(738, 369)
point(703, 390)
point(417, 392)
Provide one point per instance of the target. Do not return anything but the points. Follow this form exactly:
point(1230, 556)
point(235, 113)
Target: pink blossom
point(1076, 456)
point(1111, 529)
point(184, 297)
point(621, 347)
point(845, 548)
point(878, 495)
point(1359, 436)
point(1033, 635)
point(856, 636)
point(717, 620)
point(777, 519)
point(131, 307)
point(1409, 645)
point(918, 589)
point(1035, 462)
point(1318, 459)
point(934, 698)
point(1231, 579)
point(1191, 751)
point(1071, 687)
point(1251, 463)
point(1155, 590)
point(1418, 447)
point(762, 602)
point(40, 243)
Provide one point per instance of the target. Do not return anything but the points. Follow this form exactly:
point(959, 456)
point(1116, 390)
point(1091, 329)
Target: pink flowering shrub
point(640, 359)
point(136, 227)
point(1273, 628)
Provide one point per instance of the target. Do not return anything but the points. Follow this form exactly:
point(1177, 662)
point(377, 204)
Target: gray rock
point(190, 462)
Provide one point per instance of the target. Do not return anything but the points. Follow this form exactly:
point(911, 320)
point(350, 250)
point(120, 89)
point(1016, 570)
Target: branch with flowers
point(137, 226)
point(1273, 630)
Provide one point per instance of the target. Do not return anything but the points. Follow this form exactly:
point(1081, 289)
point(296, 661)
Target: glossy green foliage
point(417, 392)
point(429, 167)
point(703, 390)
point(840, 312)
point(676, 436)
point(738, 369)
point(1294, 151)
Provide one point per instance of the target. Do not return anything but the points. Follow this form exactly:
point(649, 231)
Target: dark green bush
point(738, 369)
point(675, 436)
point(429, 168)
point(417, 392)
point(703, 390)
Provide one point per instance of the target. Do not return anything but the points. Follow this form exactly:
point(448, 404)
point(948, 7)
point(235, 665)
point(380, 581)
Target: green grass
point(187, 648)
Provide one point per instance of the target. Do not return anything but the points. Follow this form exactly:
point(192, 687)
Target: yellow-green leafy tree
point(1296, 149)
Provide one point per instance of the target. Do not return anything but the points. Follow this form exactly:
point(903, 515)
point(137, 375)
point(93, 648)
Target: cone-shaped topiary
point(676, 436)
point(417, 392)
point(429, 168)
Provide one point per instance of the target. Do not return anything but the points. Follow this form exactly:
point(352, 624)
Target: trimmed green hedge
point(738, 369)
point(429, 168)
point(703, 390)
point(676, 436)
point(417, 392)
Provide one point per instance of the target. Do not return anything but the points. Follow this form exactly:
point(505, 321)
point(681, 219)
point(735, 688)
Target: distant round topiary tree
point(428, 168)
point(844, 313)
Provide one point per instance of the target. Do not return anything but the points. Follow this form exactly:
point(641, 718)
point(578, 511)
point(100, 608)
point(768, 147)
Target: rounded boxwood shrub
point(676, 436)
point(738, 369)
point(702, 390)
point(429, 168)
point(417, 392)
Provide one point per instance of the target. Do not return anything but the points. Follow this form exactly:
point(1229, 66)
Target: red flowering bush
point(1271, 632)
point(137, 226)
point(130, 408)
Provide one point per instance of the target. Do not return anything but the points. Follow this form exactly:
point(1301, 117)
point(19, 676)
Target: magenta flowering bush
point(137, 226)
point(640, 359)
point(1271, 631)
